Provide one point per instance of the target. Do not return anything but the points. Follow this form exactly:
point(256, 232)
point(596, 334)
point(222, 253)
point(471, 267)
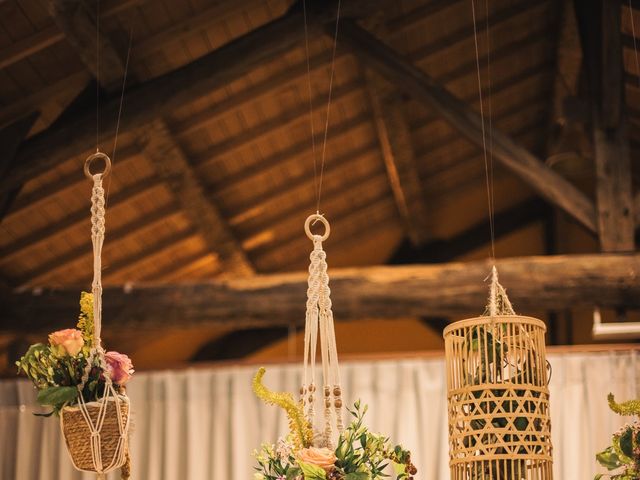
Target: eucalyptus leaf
point(357, 476)
point(57, 396)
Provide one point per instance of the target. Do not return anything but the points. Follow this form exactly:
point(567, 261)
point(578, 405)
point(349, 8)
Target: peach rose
point(321, 457)
point(120, 367)
point(68, 341)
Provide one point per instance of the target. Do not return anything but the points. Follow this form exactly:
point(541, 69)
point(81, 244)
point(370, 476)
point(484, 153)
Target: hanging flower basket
point(498, 396)
point(81, 382)
point(112, 438)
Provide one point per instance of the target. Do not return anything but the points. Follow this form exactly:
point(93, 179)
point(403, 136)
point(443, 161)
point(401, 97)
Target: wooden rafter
point(379, 57)
point(176, 170)
point(453, 289)
point(396, 143)
point(77, 20)
point(10, 139)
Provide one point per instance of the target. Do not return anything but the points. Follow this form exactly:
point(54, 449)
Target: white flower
point(258, 476)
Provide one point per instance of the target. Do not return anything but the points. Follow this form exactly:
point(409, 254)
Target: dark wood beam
point(10, 139)
point(387, 62)
point(600, 27)
point(535, 283)
point(394, 137)
point(77, 19)
point(475, 237)
point(176, 170)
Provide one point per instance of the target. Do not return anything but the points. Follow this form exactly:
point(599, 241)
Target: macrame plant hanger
point(105, 422)
point(319, 325)
point(97, 433)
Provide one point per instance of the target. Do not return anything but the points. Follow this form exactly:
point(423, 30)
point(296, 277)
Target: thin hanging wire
point(635, 41)
point(97, 75)
point(318, 177)
point(310, 93)
point(488, 175)
point(120, 108)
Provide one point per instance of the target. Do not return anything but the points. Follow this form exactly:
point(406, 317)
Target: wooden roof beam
point(379, 57)
point(600, 29)
point(451, 289)
point(77, 20)
point(10, 139)
point(399, 157)
point(176, 170)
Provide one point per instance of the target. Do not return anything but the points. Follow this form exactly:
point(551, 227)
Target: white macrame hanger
point(97, 352)
point(319, 324)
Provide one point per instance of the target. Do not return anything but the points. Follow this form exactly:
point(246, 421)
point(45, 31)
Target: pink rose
point(68, 341)
point(320, 457)
point(120, 367)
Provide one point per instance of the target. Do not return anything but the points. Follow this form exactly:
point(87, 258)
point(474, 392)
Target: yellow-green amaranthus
point(85, 319)
point(631, 407)
point(298, 423)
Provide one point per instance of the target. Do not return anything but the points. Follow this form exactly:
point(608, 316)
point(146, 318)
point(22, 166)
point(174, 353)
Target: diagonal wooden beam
point(387, 62)
point(77, 20)
point(10, 139)
point(176, 170)
point(448, 290)
point(600, 27)
point(395, 141)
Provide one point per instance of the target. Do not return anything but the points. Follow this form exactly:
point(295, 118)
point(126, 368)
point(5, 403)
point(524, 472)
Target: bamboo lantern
point(498, 395)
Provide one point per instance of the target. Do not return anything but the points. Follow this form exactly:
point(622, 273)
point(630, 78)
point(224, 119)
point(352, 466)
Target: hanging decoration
point(81, 382)
point(318, 446)
point(498, 395)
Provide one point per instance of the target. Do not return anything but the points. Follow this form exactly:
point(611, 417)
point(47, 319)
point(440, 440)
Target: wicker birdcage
point(498, 398)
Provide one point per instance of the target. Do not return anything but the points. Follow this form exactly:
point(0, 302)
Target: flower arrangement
point(623, 455)
point(359, 454)
point(57, 368)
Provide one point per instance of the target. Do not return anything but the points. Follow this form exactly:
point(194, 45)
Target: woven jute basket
point(77, 434)
point(498, 399)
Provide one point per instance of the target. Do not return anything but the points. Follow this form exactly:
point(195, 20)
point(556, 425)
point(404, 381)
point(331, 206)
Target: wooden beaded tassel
point(319, 324)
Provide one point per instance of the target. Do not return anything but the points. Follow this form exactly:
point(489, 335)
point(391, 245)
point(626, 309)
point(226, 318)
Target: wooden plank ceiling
point(248, 144)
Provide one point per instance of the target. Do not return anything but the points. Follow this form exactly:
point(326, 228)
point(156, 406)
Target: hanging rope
point(319, 324)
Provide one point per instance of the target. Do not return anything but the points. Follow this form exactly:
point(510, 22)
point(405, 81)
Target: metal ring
point(98, 155)
point(315, 218)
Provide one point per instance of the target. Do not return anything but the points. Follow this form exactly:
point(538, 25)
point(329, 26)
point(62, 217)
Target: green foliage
point(622, 457)
point(360, 455)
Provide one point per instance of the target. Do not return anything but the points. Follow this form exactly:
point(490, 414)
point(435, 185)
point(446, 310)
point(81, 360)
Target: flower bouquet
point(359, 453)
point(623, 454)
point(86, 389)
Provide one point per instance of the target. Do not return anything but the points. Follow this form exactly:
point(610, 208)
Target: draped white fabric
point(203, 424)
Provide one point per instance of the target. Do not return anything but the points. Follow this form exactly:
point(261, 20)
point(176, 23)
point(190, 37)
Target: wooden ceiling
point(213, 174)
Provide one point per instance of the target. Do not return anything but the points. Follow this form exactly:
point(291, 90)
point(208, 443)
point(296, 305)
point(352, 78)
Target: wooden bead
point(338, 403)
point(337, 391)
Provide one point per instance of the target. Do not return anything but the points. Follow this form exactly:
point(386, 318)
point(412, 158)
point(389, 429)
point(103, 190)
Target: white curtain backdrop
point(203, 424)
